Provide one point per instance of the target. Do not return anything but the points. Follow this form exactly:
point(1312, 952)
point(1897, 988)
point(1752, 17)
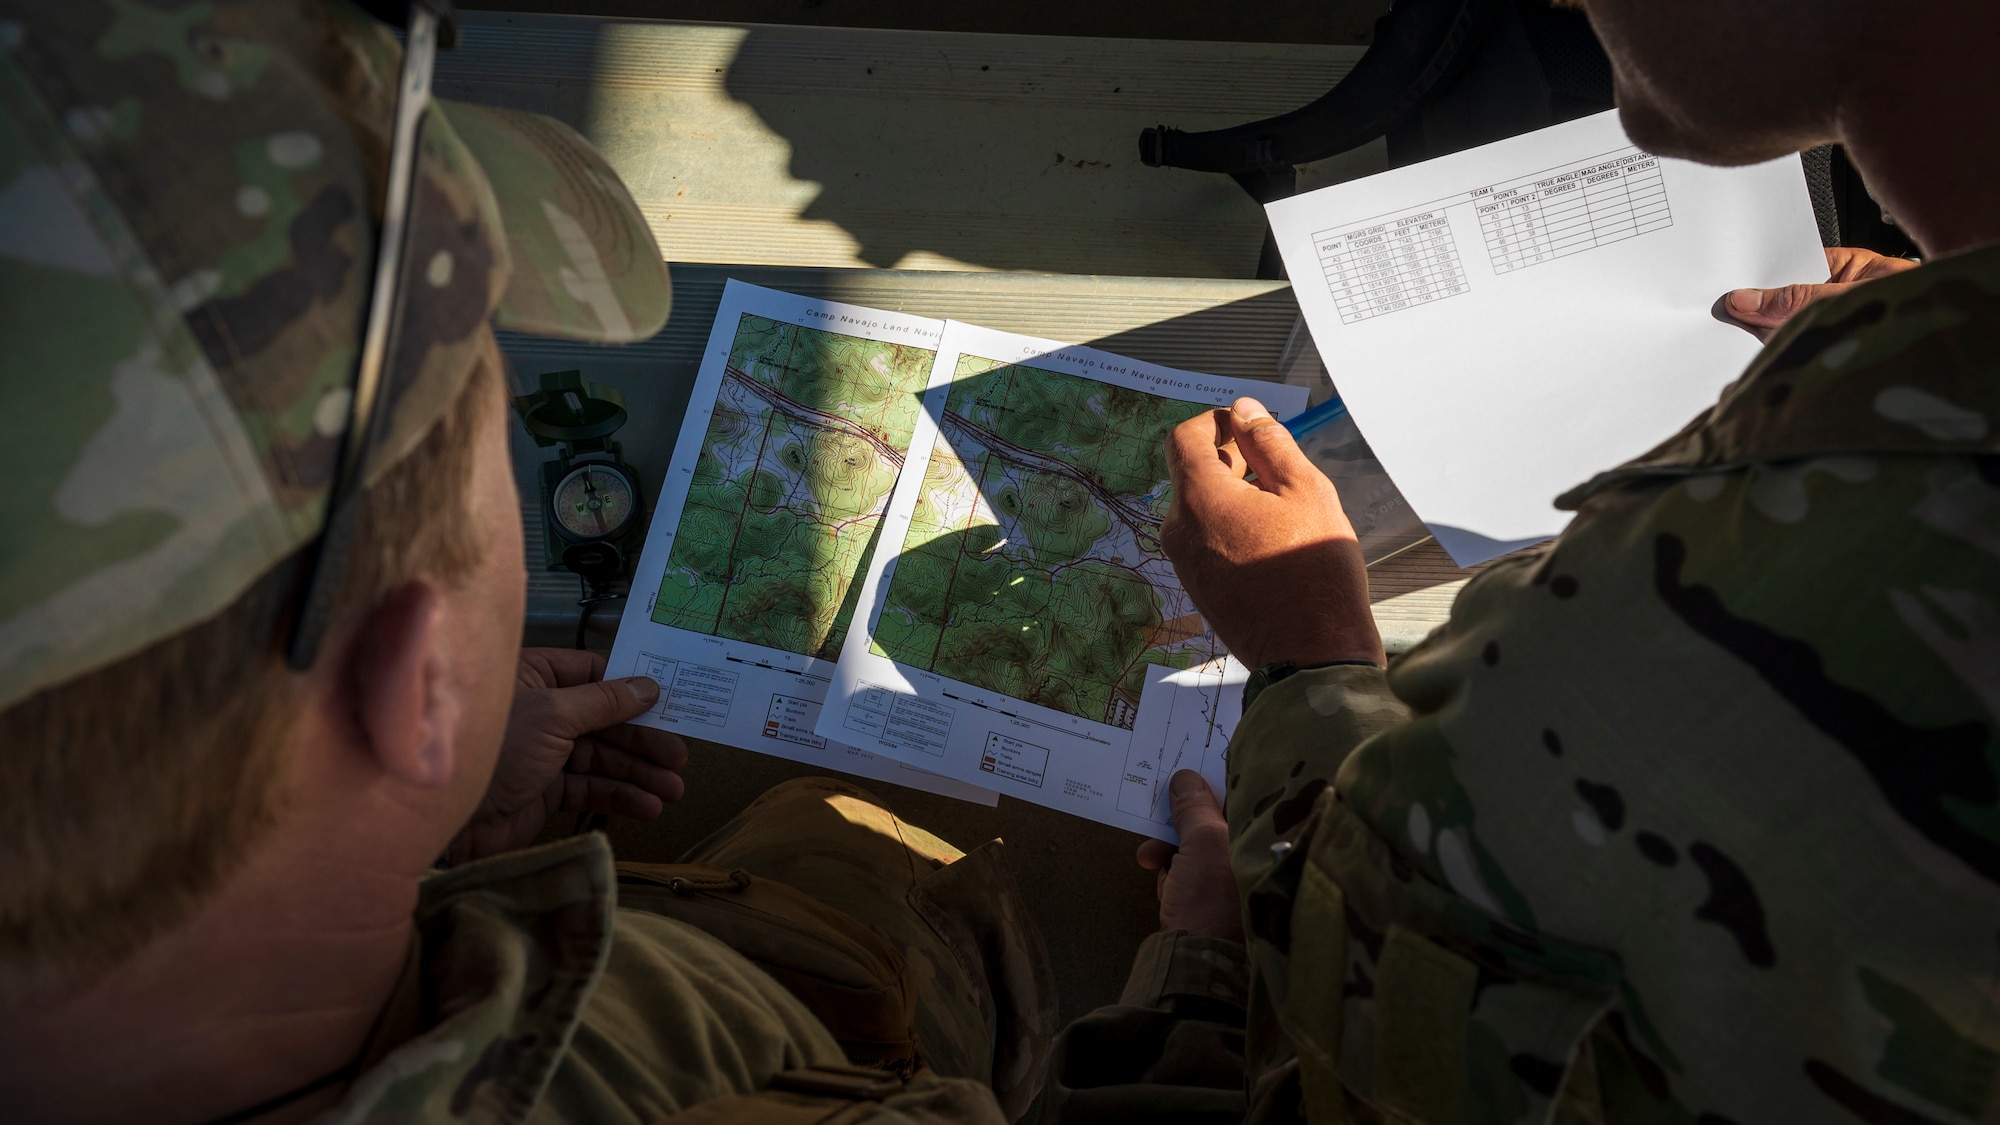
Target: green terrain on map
point(807, 436)
point(1032, 566)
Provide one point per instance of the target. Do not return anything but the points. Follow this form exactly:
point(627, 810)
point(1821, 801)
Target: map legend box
point(900, 721)
point(692, 693)
point(1015, 760)
point(790, 719)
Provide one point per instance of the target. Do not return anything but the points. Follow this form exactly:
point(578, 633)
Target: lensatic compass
point(593, 512)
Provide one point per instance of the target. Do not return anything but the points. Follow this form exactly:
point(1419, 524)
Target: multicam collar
point(510, 949)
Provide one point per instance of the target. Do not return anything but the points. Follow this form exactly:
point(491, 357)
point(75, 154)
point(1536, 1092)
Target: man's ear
point(407, 701)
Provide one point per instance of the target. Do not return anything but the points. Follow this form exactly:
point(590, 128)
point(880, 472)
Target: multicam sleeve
point(1689, 816)
point(1288, 748)
point(1665, 809)
point(1282, 764)
point(1172, 1048)
point(1370, 975)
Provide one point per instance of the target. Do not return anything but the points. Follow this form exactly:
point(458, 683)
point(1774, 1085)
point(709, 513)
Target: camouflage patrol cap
point(189, 197)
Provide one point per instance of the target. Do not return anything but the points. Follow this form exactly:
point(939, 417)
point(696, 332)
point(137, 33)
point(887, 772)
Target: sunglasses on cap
point(427, 25)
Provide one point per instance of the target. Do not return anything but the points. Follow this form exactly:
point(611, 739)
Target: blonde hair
point(129, 794)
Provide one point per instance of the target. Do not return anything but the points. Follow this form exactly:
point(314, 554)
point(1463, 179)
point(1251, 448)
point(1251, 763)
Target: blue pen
point(1325, 414)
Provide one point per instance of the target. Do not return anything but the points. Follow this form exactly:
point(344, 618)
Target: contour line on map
point(1032, 565)
point(809, 430)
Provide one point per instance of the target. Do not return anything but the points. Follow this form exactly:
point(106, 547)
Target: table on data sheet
point(1554, 214)
point(1390, 265)
point(1399, 261)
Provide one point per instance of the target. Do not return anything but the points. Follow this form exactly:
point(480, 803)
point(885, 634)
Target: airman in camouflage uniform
point(1652, 830)
point(1692, 815)
point(188, 207)
point(1753, 874)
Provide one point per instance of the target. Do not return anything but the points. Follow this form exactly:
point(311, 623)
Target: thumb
point(1268, 448)
point(599, 704)
point(1194, 807)
point(1769, 308)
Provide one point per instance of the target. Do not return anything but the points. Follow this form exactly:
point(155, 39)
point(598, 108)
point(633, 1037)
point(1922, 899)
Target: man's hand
point(567, 750)
point(1196, 886)
point(1762, 311)
point(1272, 565)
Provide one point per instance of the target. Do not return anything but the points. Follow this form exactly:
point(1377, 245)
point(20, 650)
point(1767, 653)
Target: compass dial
point(594, 502)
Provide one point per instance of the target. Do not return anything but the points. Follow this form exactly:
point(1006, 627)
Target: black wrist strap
point(1271, 673)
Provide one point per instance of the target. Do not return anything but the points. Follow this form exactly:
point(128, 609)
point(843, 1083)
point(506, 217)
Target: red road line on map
point(785, 404)
point(1144, 527)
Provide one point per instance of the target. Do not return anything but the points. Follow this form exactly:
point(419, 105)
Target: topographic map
point(1032, 566)
point(809, 430)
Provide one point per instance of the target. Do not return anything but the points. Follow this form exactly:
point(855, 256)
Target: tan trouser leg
point(986, 1005)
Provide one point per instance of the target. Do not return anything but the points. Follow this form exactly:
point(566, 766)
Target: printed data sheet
point(1021, 629)
point(799, 422)
point(1506, 321)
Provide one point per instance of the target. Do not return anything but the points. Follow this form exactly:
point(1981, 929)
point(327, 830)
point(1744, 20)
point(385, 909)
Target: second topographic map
point(1032, 565)
point(809, 431)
